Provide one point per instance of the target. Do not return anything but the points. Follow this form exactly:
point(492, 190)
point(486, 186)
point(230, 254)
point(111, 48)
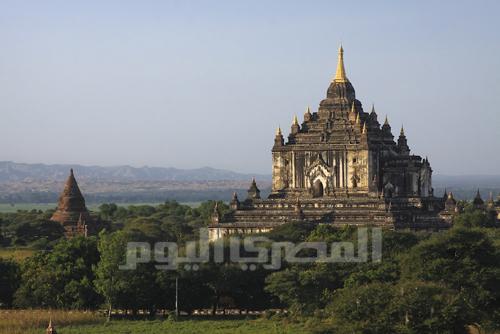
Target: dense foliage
point(426, 282)
point(29, 228)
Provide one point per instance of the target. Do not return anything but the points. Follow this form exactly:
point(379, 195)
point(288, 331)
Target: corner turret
point(253, 191)
point(216, 214)
point(386, 130)
point(307, 115)
point(402, 143)
point(478, 202)
point(278, 139)
point(295, 126)
point(235, 203)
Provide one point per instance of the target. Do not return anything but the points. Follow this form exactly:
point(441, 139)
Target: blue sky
point(206, 83)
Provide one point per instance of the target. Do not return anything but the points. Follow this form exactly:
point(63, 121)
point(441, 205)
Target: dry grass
point(25, 321)
point(17, 254)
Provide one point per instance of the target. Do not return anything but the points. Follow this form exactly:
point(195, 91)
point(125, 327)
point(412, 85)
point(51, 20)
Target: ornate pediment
point(319, 171)
point(318, 162)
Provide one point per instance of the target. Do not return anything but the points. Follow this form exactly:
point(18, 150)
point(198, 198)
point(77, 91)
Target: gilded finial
point(353, 107)
point(386, 122)
point(402, 133)
point(308, 111)
point(357, 118)
point(340, 75)
point(364, 128)
point(295, 120)
point(278, 131)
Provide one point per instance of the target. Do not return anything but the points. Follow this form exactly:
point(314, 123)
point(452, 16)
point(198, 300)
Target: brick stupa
point(71, 211)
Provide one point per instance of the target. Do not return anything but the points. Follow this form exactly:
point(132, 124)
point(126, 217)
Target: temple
point(340, 166)
point(71, 210)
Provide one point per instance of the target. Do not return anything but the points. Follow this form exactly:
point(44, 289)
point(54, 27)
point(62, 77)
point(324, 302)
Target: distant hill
point(12, 171)
point(472, 181)
point(39, 183)
point(465, 186)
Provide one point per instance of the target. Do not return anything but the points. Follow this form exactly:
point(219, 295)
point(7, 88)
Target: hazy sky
point(190, 84)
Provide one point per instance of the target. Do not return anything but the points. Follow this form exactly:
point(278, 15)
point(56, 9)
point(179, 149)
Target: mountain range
point(40, 183)
point(13, 171)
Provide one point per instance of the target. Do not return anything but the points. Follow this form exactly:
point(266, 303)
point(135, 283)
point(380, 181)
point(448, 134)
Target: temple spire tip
point(340, 75)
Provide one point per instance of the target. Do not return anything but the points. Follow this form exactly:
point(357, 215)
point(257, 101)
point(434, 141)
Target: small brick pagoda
point(71, 211)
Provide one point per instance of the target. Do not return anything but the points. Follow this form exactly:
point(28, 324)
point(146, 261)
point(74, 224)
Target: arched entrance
point(318, 189)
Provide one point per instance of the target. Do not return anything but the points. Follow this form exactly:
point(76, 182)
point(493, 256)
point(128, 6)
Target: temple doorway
point(318, 189)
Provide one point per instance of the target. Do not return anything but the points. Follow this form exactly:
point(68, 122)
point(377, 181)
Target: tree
point(107, 211)
point(408, 307)
point(109, 278)
point(364, 309)
point(61, 278)
point(130, 289)
point(475, 218)
point(465, 260)
point(306, 288)
point(293, 232)
point(9, 281)
point(427, 308)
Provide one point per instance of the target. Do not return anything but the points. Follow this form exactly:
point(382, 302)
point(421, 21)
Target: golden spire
point(340, 74)
point(295, 120)
point(357, 118)
point(278, 131)
point(386, 122)
point(353, 107)
point(364, 127)
point(402, 133)
point(308, 111)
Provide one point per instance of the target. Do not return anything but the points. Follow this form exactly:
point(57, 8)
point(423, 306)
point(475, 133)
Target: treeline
point(136, 196)
point(29, 229)
point(426, 282)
